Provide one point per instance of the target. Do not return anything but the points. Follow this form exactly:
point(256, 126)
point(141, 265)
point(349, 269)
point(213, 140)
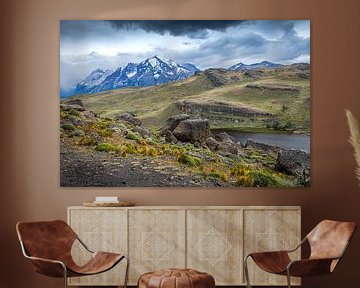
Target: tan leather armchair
point(48, 245)
point(328, 242)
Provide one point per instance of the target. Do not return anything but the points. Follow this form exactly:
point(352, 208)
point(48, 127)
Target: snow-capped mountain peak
point(152, 71)
point(237, 66)
point(264, 64)
point(95, 78)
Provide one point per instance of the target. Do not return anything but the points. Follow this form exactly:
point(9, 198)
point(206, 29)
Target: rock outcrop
point(254, 73)
point(75, 104)
point(274, 87)
point(129, 118)
point(229, 146)
point(212, 144)
point(223, 136)
point(170, 138)
point(143, 131)
point(171, 123)
point(216, 76)
point(292, 161)
point(191, 107)
point(223, 142)
point(262, 146)
point(192, 130)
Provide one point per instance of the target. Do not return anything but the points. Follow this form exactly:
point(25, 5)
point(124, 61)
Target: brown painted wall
point(29, 162)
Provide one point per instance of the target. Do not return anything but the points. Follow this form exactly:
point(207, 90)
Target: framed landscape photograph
point(186, 103)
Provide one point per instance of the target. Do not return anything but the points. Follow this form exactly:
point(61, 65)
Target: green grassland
point(282, 93)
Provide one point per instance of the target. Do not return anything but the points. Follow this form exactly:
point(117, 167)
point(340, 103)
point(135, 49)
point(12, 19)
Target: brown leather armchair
point(328, 242)
point(48, 245)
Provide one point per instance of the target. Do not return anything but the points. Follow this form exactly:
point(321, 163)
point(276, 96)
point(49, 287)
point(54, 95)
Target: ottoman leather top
point(176, 278)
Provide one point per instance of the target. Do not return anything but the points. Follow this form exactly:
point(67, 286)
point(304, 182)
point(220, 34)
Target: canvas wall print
point(185, 103)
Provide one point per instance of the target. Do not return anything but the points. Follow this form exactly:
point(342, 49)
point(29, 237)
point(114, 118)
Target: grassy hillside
point(278, 98)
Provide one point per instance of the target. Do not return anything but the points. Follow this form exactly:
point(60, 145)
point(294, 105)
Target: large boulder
point(211, 143)
point(192, 130)
point(170, 138)
point(223, 136)
point(89, 114)
point(75, 104)
point(129, 118)
point(229, 147)
point(143, 131)
point(172, 122)
point(78, 102)
point(262, 146)
point(293, 161)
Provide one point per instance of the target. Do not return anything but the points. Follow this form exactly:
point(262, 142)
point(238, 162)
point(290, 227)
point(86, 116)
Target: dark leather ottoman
point(176, 278)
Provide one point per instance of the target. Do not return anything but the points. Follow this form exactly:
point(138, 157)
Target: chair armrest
point(271, 261)
point(268, 253)
point(298, 246)
point(48, 267)
point(84, 245)
point(309, 267)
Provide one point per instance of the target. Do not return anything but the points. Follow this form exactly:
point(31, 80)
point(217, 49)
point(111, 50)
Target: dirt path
point(85, 168)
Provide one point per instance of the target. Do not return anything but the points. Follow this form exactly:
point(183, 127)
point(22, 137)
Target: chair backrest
point(46, 239)
point(329, 239)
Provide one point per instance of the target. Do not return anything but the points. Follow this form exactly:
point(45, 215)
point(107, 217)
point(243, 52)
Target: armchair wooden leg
point(246, 271)
point(127, 271)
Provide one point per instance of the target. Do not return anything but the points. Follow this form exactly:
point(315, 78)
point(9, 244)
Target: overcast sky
point(86, 45)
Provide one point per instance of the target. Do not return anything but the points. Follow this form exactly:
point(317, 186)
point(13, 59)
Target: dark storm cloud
point(248, 40)
point(191, 28)
point(273, 27)
point(76, 28)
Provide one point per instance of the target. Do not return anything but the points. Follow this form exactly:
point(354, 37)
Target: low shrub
point(214, 174)
point(133, 136)
point(128, 148)
point(265, 179)
point(73, 112)
point(100, 125)
point(87, 140)
point(106, 132)
point(224, 177)
point(240, 170)
point(106, 147)
point(243, 175)
point(68, 127)
point(152, 152)
point(189, 160)
point(149, 151)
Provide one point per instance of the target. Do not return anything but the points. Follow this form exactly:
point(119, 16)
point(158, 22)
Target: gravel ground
point(81, 167)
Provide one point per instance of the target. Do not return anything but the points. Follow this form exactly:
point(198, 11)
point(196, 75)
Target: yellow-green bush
point(106, 147)
point(74, 112)
point(68, 127)
point(107, 132)
point(265, 179)
point(243, 175)
point(189, 159)
point(128, 148)
point(133, 136)
point(87, 140)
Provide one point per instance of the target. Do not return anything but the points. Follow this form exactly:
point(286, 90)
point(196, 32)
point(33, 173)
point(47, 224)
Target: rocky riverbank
point(120, 151)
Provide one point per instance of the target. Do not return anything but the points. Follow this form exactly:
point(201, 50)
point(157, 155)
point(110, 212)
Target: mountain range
point(264, 64)
point(152, 71)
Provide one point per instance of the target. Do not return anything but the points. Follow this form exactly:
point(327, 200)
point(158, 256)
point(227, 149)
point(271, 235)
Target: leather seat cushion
point(176, 278)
